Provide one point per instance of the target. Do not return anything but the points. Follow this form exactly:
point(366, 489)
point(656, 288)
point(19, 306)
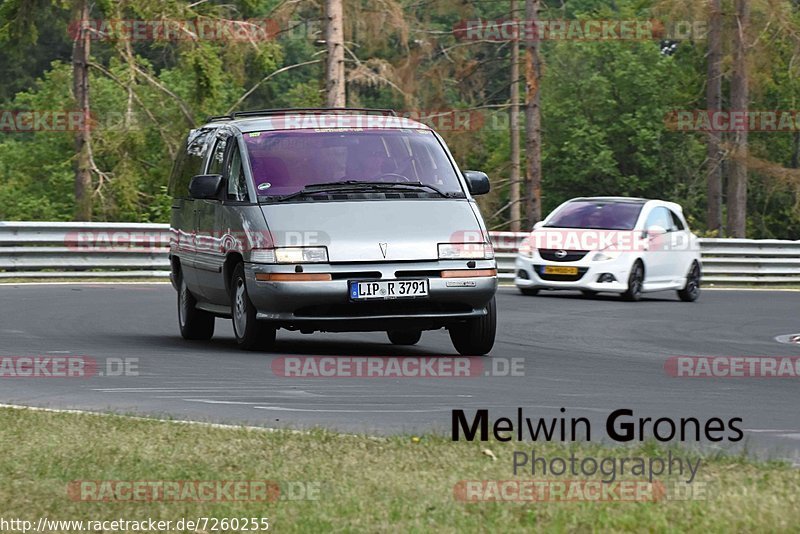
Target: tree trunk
point(514, 196)
point(533, 142)
point(714, 103)
point(334, 40)
point(80, 87)
point(737, 182)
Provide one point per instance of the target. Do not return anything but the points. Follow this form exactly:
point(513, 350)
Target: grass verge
point(365, 484)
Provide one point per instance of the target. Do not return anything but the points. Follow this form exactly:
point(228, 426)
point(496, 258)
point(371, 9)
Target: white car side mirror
point(656, 230)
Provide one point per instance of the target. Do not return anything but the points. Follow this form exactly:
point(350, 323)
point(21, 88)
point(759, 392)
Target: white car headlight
point(607, 255)
point(466, 251)
point(290, 255)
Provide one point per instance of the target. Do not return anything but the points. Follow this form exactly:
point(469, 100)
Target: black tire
point(691, 292)
point(404, 337)
point(475, 337)
point(529, 291)
point(193, 323)
point(588, 293)
point(635, 281)
point(250, 333)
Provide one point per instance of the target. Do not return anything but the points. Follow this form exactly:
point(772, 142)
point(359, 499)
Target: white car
point(619, 245)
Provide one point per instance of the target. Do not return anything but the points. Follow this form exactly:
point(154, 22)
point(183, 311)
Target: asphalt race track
point(588, 355)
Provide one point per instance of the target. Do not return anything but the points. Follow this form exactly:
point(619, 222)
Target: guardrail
point(140, 250)
point(750, 261)
point(82, 250)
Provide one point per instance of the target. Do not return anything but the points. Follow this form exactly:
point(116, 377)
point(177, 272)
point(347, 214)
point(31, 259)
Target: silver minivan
point(329, 220)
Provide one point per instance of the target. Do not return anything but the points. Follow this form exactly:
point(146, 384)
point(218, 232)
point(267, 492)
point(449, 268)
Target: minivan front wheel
point(194, 323)
point(250, 333)
point(475, 337)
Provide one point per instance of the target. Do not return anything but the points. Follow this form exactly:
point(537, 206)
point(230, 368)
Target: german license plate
point(388, 289)
point(555, 269)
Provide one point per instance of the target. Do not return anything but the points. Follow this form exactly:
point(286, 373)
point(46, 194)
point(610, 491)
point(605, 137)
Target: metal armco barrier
point(139, 250)
point(81, 250)
point(750, 261)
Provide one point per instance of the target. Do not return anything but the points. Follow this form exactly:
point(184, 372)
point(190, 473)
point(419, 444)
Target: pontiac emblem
point(384, 248)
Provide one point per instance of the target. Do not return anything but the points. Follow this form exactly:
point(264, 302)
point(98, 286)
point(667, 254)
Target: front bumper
point(529, 273)
point(325, 305)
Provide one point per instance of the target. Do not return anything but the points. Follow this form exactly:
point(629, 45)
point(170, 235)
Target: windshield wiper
point(367, 184)
point(419, 185)
point(312, 189)
point(356, 185)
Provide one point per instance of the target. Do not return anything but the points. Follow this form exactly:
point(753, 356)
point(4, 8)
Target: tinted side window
point(676, 222)
point(189, 162)
point(177, 169)
point(217, 157)
point(237, 185)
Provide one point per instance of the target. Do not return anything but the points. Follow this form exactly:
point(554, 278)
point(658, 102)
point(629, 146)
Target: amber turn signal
point(293, 277)
point(469, 273)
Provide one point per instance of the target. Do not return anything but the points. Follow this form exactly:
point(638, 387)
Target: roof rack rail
point(219, 118)
point(266, 112)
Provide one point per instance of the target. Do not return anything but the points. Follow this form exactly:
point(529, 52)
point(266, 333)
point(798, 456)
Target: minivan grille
point(420, 273)
point(356, 275)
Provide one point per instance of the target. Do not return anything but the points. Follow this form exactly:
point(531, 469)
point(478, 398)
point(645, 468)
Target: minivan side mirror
point(205, 186)
point(477, 182)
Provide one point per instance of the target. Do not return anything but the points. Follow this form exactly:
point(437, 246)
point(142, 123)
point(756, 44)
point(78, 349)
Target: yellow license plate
point(552, 269)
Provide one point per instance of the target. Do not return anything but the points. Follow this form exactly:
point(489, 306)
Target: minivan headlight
point(466, 251)
point(290, 255)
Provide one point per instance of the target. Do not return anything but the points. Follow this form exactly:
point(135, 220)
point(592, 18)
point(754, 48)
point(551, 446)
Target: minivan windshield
point(597, 215)
point(285, 162)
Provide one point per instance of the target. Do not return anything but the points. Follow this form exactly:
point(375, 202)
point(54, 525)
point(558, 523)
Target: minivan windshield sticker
point(265, 185)
point(338, 130)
